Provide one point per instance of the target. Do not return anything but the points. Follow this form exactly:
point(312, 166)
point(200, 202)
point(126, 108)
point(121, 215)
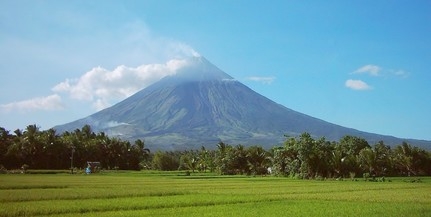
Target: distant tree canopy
point(300, 157)
point(47, 150)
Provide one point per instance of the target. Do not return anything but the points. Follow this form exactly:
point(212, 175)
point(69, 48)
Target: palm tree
point(143, 152)
point(368, 160)
point(204, 159)
point(133, 156)
point(189, 161)
point(32, 145)
point(6, 140)
point(384, 164)
point(257, 159)
point(222, 158)
point(404, 158)
point(238, 160)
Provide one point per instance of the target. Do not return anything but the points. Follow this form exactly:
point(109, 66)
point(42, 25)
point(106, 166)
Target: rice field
point(171, 193)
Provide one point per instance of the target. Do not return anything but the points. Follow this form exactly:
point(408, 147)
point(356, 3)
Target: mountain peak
point(200, 69)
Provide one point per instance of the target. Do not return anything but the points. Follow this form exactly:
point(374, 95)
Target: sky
point(362, 64)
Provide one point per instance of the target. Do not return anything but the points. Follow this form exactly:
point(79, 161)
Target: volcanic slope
point(200, 106)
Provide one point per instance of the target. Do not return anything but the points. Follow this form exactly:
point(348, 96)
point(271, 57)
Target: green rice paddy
point(168, 194)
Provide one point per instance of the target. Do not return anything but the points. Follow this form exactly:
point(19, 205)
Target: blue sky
point(359, 64)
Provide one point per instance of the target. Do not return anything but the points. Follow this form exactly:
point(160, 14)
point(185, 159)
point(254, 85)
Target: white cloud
point(103, 87)
point(369, 69)
point(357, 85)
point(399, 73)
point(375, 70)
point(264, 80)
point(48, 103)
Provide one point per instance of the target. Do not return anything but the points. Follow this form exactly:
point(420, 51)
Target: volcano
point(201, 105)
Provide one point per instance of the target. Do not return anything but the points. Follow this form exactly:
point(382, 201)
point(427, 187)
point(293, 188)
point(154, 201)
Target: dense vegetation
point(38, 149)
point(300, 157)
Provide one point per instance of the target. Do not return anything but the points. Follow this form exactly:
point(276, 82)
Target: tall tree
point(384, 161)
point(368, 160)
point(257, 159)
point(6, 141)
point(403, 155)
point(189, 160)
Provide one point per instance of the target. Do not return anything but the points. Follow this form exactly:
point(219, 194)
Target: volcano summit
point(202, 105)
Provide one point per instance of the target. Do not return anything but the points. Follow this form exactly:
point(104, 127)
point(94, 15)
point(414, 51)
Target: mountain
point(202, 105)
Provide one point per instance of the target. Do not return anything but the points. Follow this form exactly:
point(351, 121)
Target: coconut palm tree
point(368, 160)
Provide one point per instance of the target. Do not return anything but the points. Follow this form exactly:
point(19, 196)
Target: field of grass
point(168, 194)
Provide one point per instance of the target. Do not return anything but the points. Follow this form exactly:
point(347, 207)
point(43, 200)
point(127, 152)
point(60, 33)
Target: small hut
point(92, 167)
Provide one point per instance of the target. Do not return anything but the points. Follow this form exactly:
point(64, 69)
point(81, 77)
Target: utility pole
point(71, 160)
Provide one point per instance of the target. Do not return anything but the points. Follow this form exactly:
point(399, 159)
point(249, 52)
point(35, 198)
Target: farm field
point(172, 193)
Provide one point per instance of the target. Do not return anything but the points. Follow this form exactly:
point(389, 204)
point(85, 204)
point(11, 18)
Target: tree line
point(46, 149)
point(301, 157)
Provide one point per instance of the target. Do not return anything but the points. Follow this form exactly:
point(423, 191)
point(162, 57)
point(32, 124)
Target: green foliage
point(189, 161)
point(306, 157)
point(47, 150)
point(240, 160)
point(302, 157)
point(165, 161)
